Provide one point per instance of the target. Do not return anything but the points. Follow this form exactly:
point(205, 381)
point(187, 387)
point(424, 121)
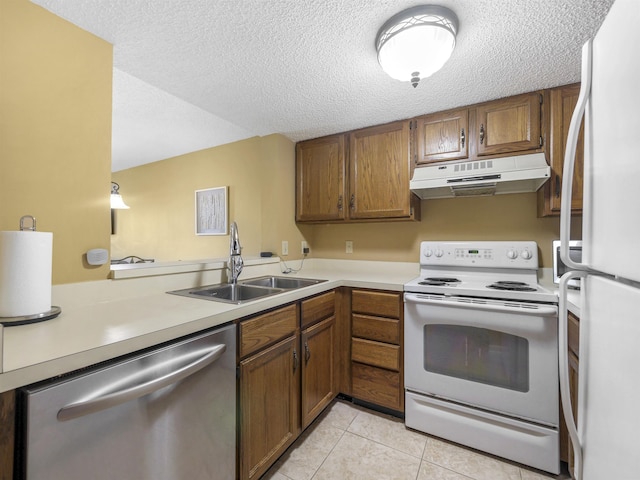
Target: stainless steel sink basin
point(228, 293)
point(247, 290)
point(286, 283)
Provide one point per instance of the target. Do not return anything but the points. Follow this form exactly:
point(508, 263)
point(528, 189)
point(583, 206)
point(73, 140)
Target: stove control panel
point(480, 254)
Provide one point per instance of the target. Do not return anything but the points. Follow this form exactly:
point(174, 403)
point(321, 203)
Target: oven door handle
point(520, 308)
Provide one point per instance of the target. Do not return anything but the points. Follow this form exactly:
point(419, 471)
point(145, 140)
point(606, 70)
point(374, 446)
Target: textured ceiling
point(191, 74)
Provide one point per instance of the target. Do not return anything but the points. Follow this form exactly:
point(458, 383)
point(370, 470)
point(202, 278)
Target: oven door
point(492, 354)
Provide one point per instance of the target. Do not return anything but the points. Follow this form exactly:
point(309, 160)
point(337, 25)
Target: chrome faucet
point(235, 251)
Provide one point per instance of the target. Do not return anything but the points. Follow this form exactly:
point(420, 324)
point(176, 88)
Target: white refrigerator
point(607, 438)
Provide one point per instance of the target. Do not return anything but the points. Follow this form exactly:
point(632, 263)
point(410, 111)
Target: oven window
point(477, 354)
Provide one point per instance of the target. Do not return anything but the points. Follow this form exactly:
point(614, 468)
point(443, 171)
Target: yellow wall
point(55, 134)
point(55, 160)
point(161, 221)
point(501, 217)
point(260, 173)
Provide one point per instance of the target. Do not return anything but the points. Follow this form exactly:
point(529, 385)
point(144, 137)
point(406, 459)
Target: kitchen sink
point(247, 290)
point(228, 293)
point(285, 283)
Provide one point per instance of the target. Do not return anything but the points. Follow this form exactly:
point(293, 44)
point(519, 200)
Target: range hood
point(524, 173)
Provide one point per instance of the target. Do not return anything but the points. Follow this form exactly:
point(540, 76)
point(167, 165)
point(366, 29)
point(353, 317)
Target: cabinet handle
point(462, 138)
point(352, 201)
point(340, 202)
point(481, 134)
point(307, 353)
point(557, 186)
point(295, 360)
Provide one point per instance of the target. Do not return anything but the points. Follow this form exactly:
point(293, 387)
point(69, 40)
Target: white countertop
point(105, 319)
point(574, 299)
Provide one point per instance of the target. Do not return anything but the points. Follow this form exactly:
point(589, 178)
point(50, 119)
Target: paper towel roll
point(25, 273)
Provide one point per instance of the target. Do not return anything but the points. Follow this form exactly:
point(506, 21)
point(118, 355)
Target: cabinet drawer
point(377, 385)
point(317, 308)
point(263, 330)
point(375, 328)
point(574, 334)
point(375, 353)
point(384, 304)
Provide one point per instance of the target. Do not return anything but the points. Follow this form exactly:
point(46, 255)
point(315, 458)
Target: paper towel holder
point(38, 317)
point(26, 319)
point(33, 223)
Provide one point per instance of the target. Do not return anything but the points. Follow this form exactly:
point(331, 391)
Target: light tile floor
point(348, 442)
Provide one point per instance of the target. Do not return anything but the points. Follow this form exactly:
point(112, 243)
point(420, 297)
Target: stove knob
point(512, 254)
point(428, 253)
point(526, 254)
point(439, 253)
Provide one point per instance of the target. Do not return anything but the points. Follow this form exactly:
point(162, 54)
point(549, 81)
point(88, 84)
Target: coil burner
point(439, 281)
point(512, 286)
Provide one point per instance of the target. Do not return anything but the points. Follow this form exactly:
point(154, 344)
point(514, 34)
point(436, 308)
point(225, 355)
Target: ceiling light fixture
point(416, 42)
point(116, 199)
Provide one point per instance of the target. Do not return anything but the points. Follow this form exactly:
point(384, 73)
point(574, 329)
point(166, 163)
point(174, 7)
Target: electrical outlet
point(305, 246)
point(285, 247)
point(349, 247)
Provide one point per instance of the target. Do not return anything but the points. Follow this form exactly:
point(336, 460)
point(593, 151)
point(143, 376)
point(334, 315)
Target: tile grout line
point(330, 451)
point(336, 444)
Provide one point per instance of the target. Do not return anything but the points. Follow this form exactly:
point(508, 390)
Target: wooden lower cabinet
point(377, 386)
point(376, 348)
point(269, 386)
point(287, 376)
point(7, 429)
point(318, 369)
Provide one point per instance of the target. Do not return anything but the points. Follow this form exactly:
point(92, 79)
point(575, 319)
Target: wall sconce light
point(116, 199)
point(416, 42)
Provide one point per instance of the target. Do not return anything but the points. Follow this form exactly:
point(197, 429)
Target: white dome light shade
point(117, 203)
point(417, 42)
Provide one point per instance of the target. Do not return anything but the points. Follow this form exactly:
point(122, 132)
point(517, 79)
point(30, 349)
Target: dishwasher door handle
point(103, 402)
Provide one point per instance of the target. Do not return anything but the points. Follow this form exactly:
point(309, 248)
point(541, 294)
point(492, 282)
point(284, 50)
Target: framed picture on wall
point(212, 211)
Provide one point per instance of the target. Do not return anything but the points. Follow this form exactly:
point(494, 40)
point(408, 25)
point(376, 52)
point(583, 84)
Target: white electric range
point(481, 349)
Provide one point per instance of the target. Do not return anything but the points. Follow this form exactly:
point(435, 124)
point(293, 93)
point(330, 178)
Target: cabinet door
point(563, 102)
point(379, 172)
point(509, 125)
point(269, 385)
point(320, 179)
point(7, 421)
point(442, 136)
point(318, 369)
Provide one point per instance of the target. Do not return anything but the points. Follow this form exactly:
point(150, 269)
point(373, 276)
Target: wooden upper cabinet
point(509, 125)
point(379, 170)
point(442, 136)
point(320, 179)
point(378, 167)
point(563, 102)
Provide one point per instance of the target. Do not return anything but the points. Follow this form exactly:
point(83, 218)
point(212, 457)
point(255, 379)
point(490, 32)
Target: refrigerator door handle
point(570, 158)
point(563, 364)
point(113, 399)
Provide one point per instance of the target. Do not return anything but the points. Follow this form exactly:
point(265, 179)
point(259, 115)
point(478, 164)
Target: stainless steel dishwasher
point(167, 413)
